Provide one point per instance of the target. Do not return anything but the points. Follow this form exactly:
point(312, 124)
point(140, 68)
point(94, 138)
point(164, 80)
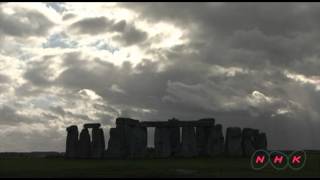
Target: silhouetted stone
point(261, 141)
point(215, 141)
point(174, 140)
point(248, 140)
point(189, 144)
point(98, 143)
point(121, 121)
point(233, 141)
point(84, 144)
point(177, 123)
point(138, 142)
point(202, 134)
point(92, 125)
point(128, 139)
point(116, 144)
point(72, 142)
point(162, 142)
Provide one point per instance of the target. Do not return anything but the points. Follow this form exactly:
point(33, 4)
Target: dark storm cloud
point(93, 26)
point(58, 110)
point(129, 34)
point(9, 116)
point(24, 23)
point(275, 33)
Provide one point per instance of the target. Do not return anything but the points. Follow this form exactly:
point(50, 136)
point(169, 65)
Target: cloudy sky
point(245, 64)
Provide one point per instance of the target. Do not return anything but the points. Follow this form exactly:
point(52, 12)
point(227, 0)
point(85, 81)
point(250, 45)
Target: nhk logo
point(278, 160)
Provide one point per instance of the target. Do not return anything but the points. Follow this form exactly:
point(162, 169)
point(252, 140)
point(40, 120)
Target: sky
point(245, 64)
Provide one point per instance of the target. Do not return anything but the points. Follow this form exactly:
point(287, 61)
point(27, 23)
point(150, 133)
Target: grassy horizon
point(172, 167)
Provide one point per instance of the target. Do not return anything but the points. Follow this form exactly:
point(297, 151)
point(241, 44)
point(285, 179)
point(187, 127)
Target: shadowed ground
point(197, 167)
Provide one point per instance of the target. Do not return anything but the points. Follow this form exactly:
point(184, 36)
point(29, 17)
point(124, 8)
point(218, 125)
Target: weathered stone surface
point(91, 125)
point(84, 144)
point(233, 141)
point(261, 141)
point(189, 144)
point(98, 143)
point(162, 142)
point(72, 142)
point(202, 135)
point(248, 140)
point(138, 142)
point(174, 140)
point(215, 141)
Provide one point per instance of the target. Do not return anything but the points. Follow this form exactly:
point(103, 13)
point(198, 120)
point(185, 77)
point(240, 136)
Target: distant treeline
point(31, 154)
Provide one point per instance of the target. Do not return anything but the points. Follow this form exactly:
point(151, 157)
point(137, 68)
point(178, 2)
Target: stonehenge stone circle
point(172, 138)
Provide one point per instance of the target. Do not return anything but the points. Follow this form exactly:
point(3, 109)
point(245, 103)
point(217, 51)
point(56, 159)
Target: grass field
point(197, 167)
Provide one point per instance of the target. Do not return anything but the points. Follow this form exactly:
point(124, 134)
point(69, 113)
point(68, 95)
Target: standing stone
point(202, 134)
point(98, 143)
point(116, 144)
point(84, 144)
point(138, 142)
point(127, 139)
point(248, 140)
point(189, 144)
point(215, 141)
point(162, 142)
point(174, 140)
point(233, 142)
point(72, 142)
point(261, 141)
